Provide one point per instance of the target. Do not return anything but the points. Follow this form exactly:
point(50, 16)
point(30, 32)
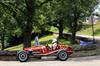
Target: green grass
point(54, 29)
point(88, 30)
point(48, 39)
point(15, 48)
point(43, 40)
point(64, 41)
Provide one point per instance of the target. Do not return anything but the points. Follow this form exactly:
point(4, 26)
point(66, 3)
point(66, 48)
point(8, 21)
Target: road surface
point(79, 61)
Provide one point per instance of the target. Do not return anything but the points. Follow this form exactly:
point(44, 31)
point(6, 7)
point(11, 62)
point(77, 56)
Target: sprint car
point(61, 52)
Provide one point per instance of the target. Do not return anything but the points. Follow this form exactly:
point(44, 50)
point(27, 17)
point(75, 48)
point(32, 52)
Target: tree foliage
point(24, 12)
point(7, 25)
point(29, 16)
point(77, 12)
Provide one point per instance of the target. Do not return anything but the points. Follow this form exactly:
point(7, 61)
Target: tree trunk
point(74, 26)
point(60, 32)
point(28, 27)
point(27, 35)
point(2, 42)
point(28, 31)
point(60, 28)
point(74, 30)
point(73, 37)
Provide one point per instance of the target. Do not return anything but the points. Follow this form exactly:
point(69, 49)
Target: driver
point(54, 42)
point(53, 45)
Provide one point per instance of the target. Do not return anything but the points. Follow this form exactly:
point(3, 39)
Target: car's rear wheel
point(62, 55)
point(22, 56)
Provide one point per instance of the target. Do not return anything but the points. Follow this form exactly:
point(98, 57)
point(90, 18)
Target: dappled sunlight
point(14, 48)
point(43, 40)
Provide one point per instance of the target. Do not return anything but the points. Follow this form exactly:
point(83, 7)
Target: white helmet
point(54, 41)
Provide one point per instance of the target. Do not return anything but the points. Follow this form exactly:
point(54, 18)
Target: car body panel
point(45, 50)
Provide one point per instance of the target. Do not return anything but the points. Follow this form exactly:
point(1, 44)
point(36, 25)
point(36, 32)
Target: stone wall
point(8, 53)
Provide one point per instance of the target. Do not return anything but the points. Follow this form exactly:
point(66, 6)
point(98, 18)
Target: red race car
point(61, 52)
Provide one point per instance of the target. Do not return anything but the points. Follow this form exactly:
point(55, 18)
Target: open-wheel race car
point(61, 52)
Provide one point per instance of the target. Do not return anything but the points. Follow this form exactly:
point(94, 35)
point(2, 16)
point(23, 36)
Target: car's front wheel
point(22, 56)
point(62, 55)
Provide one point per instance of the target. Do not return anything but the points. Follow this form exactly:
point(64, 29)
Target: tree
point(24, 11)
point(7, 26)
point(76, 11)
point(54, 13)
point(59, 17)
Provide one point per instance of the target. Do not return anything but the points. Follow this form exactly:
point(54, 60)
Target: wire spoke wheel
point(62, 55)
point(22, 56)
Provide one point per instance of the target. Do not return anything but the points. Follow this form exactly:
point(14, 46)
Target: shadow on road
point(77, 59)
point(82, 59)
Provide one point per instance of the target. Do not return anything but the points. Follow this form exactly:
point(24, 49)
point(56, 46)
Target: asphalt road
point(79, 61)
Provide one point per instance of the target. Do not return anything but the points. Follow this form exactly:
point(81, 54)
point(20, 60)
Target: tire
point(22, 56)
point(62, 55)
